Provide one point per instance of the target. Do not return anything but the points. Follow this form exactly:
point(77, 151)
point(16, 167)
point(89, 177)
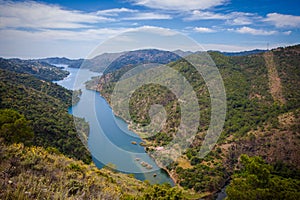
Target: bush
point(14, 128)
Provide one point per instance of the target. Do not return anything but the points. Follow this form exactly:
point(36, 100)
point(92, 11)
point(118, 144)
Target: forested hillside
point(262, 115)
point(45, 104)
point(35, 173)
point(60, 61)
point(41, 155)
point(39, 69)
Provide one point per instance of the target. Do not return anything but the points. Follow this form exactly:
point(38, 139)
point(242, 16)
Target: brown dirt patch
point(274, 80)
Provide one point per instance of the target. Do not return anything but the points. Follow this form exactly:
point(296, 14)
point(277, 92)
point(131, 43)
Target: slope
point(39, 69)
point(256, 123)
point(46, 105)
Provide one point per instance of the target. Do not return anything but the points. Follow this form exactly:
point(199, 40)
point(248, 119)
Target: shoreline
point(169, 173)
point(129, 124)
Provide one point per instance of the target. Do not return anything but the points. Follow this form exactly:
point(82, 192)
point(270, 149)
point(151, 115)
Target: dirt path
point(274, 80)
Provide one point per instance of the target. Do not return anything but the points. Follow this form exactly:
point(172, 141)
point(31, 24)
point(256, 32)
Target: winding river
point(110, 141)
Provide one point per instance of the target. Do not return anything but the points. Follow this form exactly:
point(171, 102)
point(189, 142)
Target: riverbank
point(145, 143)
point(109, 139)
point(148, 145)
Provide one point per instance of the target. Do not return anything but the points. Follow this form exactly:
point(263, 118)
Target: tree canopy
point(14, 127)
point(259, 180)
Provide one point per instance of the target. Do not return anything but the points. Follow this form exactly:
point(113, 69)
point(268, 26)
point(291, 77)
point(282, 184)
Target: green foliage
point(34, 173)
point(14, 127)
point(41, 70)
point(162, 192)
point(202, 178)
point(76, 96)
point(287, 62)
point(250, 106)
point(257, 180)
point(46, 105)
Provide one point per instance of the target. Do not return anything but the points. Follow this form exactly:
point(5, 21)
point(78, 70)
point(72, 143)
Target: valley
point(261, 127)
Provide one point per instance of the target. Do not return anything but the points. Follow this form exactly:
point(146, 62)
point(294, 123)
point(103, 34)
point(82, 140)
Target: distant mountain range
point(243, 53)
point(138, 57)
point(63, 60)
point(111, 60)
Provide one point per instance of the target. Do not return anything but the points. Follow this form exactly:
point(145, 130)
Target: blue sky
point(32, 29)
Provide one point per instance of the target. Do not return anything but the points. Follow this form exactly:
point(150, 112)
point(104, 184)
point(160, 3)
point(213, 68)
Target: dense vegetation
point(258, 122)
point(45, 105)
point(38, 135)
point(36, 173)
point(258, 180)
point(31, 172)
point(39, 69)
point(41, 155)
point(14, 128)
point(138, 57)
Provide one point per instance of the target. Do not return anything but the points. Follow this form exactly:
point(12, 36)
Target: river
point(109, 138)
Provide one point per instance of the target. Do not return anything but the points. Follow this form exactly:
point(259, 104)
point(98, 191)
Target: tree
point(257, 180)
point(14, 127)
point(163, 192)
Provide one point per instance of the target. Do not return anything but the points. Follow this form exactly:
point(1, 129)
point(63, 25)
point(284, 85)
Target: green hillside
point(262, 115)
point(42, 156)
point(36, 173)
point(45, 104)
point(37, 68)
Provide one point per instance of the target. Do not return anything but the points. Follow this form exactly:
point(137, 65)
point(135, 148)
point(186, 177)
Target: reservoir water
point(110, 141)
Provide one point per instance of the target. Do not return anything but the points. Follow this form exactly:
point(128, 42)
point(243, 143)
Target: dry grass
point(34, 173)
point(184, 163)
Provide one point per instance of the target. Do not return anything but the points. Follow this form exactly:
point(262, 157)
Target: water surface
point(110, 141)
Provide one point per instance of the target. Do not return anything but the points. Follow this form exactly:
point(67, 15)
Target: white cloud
point(146, 37)
point(115, 11)
point(157, 30)
point(252, 31)
point(69, 43)
point(204, 30)
point(200, 15)
point(32, 14)
point(67, 35)
point(233, 18)
point(241, 18)
point(287, 32)
point(147, 16)
point(280, 20)
point(180, 5)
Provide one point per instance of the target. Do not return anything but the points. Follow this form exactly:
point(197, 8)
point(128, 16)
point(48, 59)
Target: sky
point(73, 28)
